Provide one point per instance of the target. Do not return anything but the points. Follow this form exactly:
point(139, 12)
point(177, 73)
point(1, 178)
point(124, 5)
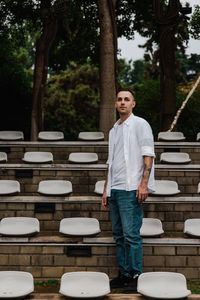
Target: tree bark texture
point(167, 24)
point(108, 52)
point(40, 73)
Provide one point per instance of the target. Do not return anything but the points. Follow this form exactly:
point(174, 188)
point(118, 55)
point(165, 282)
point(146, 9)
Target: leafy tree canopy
point(72, 100)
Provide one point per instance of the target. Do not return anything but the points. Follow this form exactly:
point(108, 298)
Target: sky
point(129, 48)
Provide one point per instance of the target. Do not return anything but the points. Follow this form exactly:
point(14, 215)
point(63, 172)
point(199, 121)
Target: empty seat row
point(162, 188)
point(51, 136)
point(174, 136)
point(89, 157)
point(8, 135)
point(87, 284)
point(41, 157)
point(76, 226)
point(64, 187)
point(83, 226)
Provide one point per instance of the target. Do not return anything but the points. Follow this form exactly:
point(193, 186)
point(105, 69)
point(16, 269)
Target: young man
point(130, 178)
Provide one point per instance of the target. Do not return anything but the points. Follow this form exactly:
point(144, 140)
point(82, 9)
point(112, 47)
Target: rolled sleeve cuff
point(148, 151)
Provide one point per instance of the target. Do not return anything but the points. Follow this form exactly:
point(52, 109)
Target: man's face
point(124, 103)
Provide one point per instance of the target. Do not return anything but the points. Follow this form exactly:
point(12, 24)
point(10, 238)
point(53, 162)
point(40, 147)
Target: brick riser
point(49, 261)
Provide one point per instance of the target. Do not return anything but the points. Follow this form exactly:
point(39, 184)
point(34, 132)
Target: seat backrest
point(171, 136)
point(51, 135)
point(91, 136)
point(11, 135)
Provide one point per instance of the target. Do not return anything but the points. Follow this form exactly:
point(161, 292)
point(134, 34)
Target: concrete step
point(51, 258)
point(52, 296)
point(172, 211)
point(84, 176)
point(61, 149)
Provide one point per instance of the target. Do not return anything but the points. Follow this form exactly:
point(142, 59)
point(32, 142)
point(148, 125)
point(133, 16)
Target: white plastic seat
point(79, 226)
point(198, 188)
point(91, 136)
point(198, 136)
point(38, 157)
point(55, 187)
point(151, 227)
point(51, 135)
point(99, 186)
point(83, 157)
point(192, 227)
point(3, 157)
point(175, 158)
point(173, 136)
point(163, 285)
point(15, 284)
point(19, 226)
point(11, 135)
point(84, 284)
point(9, 187)
point(166, 188)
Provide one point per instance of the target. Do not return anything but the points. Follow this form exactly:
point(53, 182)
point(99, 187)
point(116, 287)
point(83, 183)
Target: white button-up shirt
point(138, 142)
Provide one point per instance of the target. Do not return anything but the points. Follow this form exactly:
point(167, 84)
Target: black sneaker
point(131, 285)
point(119, 282)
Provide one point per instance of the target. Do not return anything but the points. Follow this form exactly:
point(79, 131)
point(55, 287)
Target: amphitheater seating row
point(41, 157)
point(172, 136)
point(76, 226)
point(86, 284)
point(83, 226)
point(51, 136)
point(90, 157)
point(64, 187)
point(162, 188)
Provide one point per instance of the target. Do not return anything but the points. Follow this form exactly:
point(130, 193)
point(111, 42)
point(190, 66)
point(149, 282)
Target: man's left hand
point(142, 193)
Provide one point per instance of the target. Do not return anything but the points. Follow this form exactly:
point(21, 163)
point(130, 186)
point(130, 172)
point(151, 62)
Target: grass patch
point(47, 286)
point(194, 286)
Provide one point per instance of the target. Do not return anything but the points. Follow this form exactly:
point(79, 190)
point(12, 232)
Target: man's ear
point(134, 103)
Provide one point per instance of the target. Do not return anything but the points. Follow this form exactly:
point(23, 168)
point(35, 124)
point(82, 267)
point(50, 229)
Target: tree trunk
point(167, 77)
point(167, 22)
point(108, 54)
point(40, 73)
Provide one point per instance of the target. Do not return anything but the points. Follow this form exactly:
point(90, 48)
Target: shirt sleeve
point(146, 140)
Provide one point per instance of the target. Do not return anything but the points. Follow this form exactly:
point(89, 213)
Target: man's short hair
point(126, 90)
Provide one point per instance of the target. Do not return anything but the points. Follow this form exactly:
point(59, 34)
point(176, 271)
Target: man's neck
point(124, 118)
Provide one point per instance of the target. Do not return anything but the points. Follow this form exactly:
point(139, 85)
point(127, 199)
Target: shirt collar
point(127, 121)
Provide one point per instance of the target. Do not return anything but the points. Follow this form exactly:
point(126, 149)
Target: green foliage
point(148, 107)
point(195, 23)
point(130, 72)
point(148, 103)
point(15, 85)
point(72, 101)
point(189, 121)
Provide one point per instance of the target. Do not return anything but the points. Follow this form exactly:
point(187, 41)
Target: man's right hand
point(104, 200)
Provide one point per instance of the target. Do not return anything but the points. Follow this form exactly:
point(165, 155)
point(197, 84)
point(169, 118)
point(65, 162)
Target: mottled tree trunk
point(40, 73)
point(167, 21)
point(108, 52)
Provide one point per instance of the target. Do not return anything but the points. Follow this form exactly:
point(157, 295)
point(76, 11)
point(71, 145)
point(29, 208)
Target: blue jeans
point(126, 215)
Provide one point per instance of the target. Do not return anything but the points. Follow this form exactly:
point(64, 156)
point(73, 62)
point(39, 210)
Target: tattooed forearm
point(147, 167)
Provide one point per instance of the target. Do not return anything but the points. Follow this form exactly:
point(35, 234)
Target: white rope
point(184, 104)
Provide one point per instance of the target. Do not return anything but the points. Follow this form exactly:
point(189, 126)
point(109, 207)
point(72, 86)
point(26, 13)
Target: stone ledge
point(108, 297)
point(100, 166)
point(90, 199)
point(52, 167)
point(88, 143)
point(146, 241)
point(59, 240)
